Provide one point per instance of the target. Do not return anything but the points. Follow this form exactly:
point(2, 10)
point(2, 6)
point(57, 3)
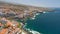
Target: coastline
point(12, 13)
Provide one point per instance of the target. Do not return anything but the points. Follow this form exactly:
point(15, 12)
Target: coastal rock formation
point(10, 13)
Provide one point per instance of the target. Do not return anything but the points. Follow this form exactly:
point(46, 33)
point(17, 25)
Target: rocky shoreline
point(9, 14)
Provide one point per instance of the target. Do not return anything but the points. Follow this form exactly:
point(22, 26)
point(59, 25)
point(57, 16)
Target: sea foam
point(33, 31)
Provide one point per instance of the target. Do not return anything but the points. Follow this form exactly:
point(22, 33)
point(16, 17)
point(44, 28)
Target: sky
point(39, 3)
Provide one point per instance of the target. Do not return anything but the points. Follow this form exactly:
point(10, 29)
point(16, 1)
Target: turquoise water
point(47, 23)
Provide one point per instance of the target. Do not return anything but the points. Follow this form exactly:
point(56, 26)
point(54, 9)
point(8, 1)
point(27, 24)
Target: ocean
point(46, 23)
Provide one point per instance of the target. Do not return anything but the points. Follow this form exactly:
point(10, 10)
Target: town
point(10, 13)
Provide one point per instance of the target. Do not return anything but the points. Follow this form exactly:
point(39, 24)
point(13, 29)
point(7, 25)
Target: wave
point(44, 12)
point(37, 13)
point(33, 31)
point(33, 18)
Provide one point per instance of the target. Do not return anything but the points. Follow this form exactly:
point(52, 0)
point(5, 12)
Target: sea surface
point(46, 23)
